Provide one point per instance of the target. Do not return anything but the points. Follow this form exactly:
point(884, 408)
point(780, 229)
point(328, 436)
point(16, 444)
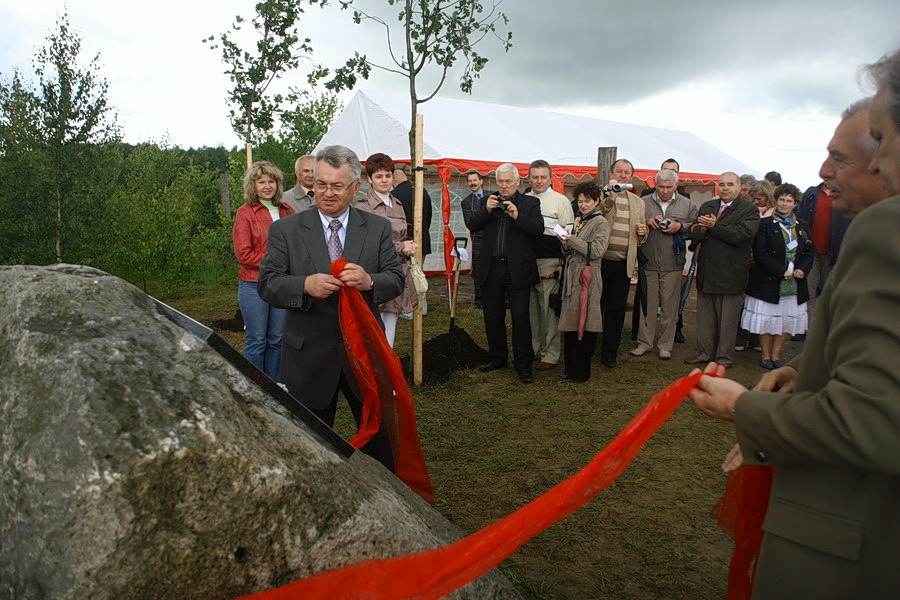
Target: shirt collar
point(326, 220)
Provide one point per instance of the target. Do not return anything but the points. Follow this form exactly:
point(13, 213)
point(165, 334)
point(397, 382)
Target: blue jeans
point(264, 325)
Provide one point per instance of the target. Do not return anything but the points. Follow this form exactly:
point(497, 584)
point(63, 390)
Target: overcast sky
point(764, 81)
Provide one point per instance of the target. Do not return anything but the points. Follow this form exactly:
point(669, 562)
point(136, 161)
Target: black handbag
point(555, 299)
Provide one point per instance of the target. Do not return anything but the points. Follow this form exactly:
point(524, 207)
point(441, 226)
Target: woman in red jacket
point(262, 206)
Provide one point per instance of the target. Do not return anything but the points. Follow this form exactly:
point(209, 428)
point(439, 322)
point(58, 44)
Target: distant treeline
point(149, 213)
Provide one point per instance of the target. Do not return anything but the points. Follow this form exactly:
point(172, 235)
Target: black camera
point(501, 208)
point(663, 223)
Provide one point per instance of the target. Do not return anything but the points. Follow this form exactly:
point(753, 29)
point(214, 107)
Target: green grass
point(492, 445)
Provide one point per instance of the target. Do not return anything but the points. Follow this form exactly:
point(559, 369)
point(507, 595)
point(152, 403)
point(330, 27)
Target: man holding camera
point(669, 216)
point(625, 213)
point(507, 267)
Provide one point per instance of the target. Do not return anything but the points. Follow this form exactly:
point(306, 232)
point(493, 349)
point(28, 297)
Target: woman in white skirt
point(776, 292)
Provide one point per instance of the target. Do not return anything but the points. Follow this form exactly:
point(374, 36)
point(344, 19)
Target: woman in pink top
point(378, 200)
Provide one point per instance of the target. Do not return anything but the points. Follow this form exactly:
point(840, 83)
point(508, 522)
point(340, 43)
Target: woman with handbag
point(580, 319)
point(379, 201)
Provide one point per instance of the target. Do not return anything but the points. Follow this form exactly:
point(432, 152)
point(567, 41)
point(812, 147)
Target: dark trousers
point(379, 447)
point(477, 285)
point(613, 304)
point(496, 289)
point(577, 354)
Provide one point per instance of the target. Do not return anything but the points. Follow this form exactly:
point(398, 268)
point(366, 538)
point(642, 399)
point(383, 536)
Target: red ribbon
point(431, 574)
point(740, 512)
point(387, 401)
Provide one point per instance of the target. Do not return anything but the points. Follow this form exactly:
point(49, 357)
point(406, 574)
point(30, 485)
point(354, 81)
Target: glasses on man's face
point(337, 188)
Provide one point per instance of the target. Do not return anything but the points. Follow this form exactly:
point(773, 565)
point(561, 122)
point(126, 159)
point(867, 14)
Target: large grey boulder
point(137, 462)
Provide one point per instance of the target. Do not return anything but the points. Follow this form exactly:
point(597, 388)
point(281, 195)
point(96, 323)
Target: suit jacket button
point(760, 456)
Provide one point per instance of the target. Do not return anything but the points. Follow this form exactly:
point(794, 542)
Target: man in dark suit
point(507, 267)
point(403, 192)
point(296, 274)
point(470, 205)
point(725, 228)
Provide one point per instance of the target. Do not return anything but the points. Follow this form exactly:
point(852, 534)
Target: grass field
point(493, 445)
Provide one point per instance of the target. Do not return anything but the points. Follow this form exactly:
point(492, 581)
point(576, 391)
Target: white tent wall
point(377, 121)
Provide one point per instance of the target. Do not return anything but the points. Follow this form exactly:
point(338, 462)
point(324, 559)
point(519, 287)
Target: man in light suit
point(830, 421)
point(296, 275)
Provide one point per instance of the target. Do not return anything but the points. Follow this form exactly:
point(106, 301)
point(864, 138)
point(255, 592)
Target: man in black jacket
point(507, 267)
point(403, 192)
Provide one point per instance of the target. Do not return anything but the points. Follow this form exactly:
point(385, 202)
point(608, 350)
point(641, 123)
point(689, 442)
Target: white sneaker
point(665, 354)
point(639, 351)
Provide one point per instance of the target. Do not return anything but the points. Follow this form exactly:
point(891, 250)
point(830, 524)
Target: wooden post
point(417, 237)
point(605, 159)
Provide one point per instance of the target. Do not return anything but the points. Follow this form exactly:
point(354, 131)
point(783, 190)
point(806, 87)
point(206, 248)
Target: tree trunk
point(224, 194)
point(58, 217)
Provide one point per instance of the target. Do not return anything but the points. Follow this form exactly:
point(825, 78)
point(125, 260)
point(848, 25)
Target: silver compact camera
point(663, 223)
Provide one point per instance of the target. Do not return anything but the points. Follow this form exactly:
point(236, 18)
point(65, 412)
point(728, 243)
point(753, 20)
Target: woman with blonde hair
point(250, 235)
point(763, 197)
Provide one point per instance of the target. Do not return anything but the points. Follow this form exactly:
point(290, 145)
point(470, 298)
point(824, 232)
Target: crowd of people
point(563, 269)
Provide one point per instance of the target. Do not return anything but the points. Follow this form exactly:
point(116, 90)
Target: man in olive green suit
point(830, 422)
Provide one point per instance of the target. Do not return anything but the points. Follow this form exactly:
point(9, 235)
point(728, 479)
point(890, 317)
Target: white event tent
point(467, 135)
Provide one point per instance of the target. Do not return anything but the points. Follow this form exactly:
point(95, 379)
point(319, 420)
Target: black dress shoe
point(679, 337)
point(491, 366)
point(526, 377)
point(609, 363)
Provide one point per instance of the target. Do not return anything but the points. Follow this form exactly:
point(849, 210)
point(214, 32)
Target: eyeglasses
point(337, 188)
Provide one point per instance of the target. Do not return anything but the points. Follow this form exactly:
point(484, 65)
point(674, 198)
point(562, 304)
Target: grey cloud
point(791, 52)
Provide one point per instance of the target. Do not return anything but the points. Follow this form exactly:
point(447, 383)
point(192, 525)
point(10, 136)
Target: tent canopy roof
point(463, 133)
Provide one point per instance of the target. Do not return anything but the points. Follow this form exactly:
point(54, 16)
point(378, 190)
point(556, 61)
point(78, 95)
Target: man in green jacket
point(830, 422)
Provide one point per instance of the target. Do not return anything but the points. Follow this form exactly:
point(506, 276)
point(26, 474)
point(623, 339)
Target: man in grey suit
point(296, 275)
point(301, 196)
point(830, 421)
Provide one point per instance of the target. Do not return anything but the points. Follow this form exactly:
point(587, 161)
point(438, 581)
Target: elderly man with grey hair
point(830, 420)
point(669, 215)
point(296, 274)
point(302, 196)
point(507, 268)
